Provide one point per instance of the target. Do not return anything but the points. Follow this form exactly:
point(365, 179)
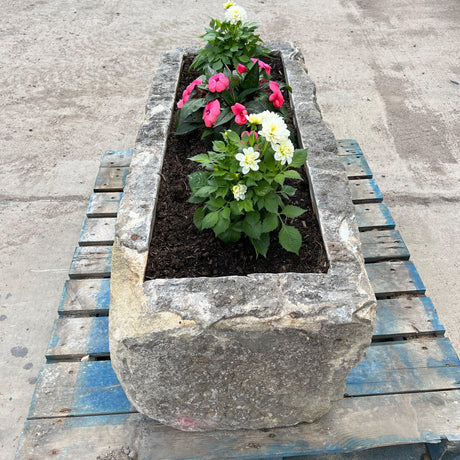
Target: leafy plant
point(242, 185)
point(246, 89)
point(230, 42)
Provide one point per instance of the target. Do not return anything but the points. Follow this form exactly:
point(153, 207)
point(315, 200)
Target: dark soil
point(179, 250)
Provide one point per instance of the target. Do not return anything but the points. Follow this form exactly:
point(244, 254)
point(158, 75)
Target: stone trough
point(238, 352)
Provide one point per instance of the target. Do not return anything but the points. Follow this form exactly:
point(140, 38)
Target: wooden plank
point(373, 216)
point(356, 167)
point(73, 338)
point(353, 424)
point(365, 191)
point(399, 452)
point(91, 262)
point(111, 179)
point(389, 367)
point(348, 147)
point(383, 245)
point(99, 231)
point(117, 158)
point(104, 204)
point(406, 317)
point(394, 278)
point(78, 388)
point(406, 366)
point(85, 297)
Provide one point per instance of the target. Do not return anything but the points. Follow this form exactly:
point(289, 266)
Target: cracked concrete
point(74, 79)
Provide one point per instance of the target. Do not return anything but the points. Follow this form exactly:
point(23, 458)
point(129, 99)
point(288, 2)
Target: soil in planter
point(179, 250)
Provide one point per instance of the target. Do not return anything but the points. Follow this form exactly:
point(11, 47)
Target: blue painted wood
point(104, 204)
point(394, 278)
point(365, 191)
point(444, 450)
point(356, 167)
point(91, 262)
point(373, 216)
point(111, 179)
point(349, 146)
point(85, 297)
point(402, 452)
point(117, 158)
point(381, 245)
point(406, 317)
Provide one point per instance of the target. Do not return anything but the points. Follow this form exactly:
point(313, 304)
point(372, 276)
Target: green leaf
point(299, 158)
point(288, 190)
point(185, 128)
point(279, 178)
point(192, 105)
point(224, 116)
point(219, 146)
point(221, 226)
point(292, 211)
point(230, 236)
point(201, 158)
point(251, 79)
point(272, 202)
point(252, 226)
point(261, 244)
point(198, 179)
point(210, 220)
point(198, 217)
point(234, 207)
point(291, 174)
point(206, 190)
point(262, 188)
point(290, 238)
point(270, 223)
point(233, 137)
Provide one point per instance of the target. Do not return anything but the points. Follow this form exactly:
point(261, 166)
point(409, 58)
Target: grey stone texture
point(238, 352)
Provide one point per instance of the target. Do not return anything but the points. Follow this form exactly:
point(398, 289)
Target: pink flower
point(249, 133)
point(180, 104)
point(218, 83)
point(263, 65)
point(211, 112)
point(276, 98)
point(192, 85)
point(185, 98)
point(240, 112)
point(241, 68)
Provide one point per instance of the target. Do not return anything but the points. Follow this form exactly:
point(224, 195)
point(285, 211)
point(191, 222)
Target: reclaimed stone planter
point(234, 352)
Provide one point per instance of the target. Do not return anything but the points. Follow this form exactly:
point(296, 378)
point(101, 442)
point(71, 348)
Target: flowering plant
point(230, 42)
point(242, 186)
point(223, 100)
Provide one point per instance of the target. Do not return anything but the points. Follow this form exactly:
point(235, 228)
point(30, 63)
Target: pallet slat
point(365, 191)
point(117, 158)
point(99, 231)
point(356, 167)
point(348, 147)
point(389, 420)
point(373, 216)
point(104, 204)
point(383, 245)
point(73, 338)
point(394, 278)
point(406, 317)
point(91, 262)
point(111, 179)
point(85, 297)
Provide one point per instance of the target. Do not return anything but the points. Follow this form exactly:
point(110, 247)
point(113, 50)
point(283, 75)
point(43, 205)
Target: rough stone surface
point(257, 351)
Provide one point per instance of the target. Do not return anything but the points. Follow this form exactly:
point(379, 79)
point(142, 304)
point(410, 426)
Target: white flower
point(284, 152)
point(254, 118)
point(248, 160)
point(274, 129)
point(235, 14)
point(239, 191)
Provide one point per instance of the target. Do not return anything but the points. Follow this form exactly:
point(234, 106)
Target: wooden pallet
point(401, 402)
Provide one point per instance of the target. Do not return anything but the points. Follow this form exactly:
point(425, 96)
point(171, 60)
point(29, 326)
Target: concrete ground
point(74, 77)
